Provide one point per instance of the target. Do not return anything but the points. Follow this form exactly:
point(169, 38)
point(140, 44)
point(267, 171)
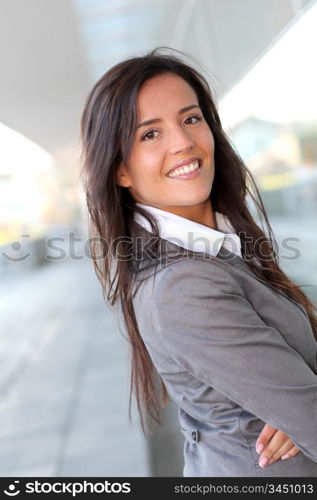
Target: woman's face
point(171, 130)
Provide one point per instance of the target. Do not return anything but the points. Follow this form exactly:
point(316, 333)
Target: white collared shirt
point(192, 235)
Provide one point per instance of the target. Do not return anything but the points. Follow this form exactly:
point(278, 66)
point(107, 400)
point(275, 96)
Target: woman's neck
point(203, 214)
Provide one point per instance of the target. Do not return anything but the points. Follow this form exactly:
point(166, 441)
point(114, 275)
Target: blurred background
point(64, 378)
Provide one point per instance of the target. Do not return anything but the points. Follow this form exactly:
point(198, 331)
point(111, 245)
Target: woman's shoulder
point(202, 270)
point(195, 265)
point(187, 274)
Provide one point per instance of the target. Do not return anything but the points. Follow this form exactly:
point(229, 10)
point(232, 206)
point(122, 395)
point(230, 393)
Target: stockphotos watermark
point(57, 248)
point(71, 488)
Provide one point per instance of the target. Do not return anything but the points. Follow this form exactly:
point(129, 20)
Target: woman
point(207, 309)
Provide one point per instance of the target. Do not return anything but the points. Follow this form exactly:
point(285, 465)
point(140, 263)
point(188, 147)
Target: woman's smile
point(190, 169)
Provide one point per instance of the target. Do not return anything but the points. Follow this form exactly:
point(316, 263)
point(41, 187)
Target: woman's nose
point(180, 141)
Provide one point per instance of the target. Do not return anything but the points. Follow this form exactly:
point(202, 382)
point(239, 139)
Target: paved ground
point(64, 379)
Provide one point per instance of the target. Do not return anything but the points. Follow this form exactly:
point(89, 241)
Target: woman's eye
point(193, 119)
point(149, 135)
point(152, 134)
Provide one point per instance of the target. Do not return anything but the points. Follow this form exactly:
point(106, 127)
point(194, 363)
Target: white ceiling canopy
point(52, 52)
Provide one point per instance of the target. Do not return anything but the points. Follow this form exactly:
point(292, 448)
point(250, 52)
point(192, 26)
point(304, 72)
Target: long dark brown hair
point(107, 131)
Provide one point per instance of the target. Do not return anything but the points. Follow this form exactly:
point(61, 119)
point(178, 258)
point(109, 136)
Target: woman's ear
point(123, 177)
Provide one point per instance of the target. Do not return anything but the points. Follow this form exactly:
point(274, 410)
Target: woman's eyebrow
point(156, 120)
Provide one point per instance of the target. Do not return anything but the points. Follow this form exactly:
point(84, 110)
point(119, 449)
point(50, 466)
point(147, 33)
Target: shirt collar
point(192, 235)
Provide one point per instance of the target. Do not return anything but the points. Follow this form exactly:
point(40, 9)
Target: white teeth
point(184, 170)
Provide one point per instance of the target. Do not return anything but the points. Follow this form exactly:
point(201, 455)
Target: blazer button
point(195, 436)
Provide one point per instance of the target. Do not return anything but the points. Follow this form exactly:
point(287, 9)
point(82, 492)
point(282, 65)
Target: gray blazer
point(234, 354)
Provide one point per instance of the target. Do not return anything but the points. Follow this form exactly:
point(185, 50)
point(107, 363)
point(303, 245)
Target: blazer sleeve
point(212, 331)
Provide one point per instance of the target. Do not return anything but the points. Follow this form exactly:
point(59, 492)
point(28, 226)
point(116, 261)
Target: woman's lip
point(188, 175)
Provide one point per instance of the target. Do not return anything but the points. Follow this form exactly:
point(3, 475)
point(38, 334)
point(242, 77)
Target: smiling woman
point(206, 306)
point(179, 148)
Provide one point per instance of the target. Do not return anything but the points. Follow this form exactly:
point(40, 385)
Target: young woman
point(206, 306)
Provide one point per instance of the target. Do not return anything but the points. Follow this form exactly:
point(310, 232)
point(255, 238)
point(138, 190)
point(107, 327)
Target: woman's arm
point(212, 331)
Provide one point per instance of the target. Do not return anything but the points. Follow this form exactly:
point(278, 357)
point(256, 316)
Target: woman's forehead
point(163, 91)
